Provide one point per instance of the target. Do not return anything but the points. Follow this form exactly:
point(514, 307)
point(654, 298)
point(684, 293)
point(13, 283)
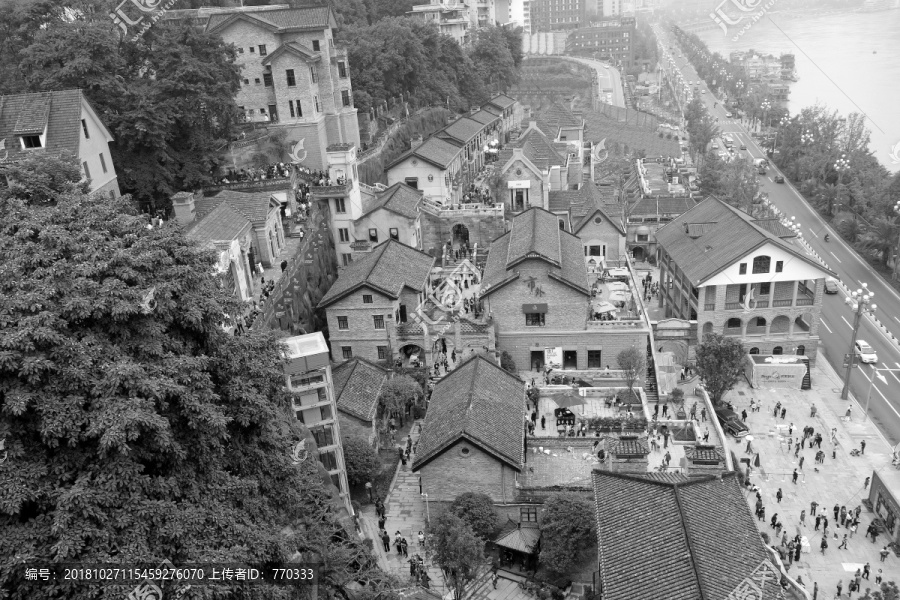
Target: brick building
point(371, 297)
point(537, 291)
point(357, 386)
point(473, 438)
point(292, 73)
point(646, 216)
point(743, 277)
point(59, 123)
point(558, 15)
point(611, 40)
point(391, 213)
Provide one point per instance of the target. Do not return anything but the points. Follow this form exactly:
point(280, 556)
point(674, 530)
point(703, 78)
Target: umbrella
point(749, 438)
point(617, 286)
point(567, 400)
point(604, 307)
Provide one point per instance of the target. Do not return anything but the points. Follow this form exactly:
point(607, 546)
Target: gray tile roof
point(305, 54)
point(434, 150)
point(399, 198)
point(219, 224)
point(388, 268)
point(679, 540)
point(538, 148)
point(463, 130)
point(484, 117)
point(582, 204)
point(502, 101)
point(253, 205)
point(713, 235)
point(535, 233)
point(357, 385)
point(661, 206)
point(556, 115)
point(29, 114)
point(313, 17)
point(480, 402)
point(523, 539)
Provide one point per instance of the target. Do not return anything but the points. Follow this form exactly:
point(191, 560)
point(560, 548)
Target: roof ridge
point(687, 539)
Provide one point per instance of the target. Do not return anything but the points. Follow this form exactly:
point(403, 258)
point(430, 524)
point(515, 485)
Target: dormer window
point(31, 141)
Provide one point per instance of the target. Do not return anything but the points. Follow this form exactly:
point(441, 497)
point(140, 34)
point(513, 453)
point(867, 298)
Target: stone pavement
point(840, 480)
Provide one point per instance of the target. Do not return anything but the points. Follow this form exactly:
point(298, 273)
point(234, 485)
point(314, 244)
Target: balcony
point(733, 306)
point(805, 301)
point(462, 210)
point(330, 191)
point(782, 303)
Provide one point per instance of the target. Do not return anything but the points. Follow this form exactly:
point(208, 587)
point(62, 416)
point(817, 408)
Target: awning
point(521, 540)
point(518, 185)
point(534, 308)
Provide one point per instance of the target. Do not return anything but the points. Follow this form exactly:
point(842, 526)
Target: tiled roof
point(556, 115)
point(219, 224)
point(29, 114)
point(661, 206)
point(706, 453)
point(717, 236)
point(484, 117)
point(357, 385)
point(679, 540)
point(434, 150)
point(582, 204)
point(480, 402)
point(253, 205)
point(501, 101)
point(775, 227)
point(520, 539)
point(535, 233)
point(462, 130)
point(539, 149)
point(399, 198)
point(299, 50)
point(313, 17)
point(388, 268)
point(629, 447)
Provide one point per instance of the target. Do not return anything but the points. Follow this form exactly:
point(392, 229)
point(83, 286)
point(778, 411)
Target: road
point(836, 318)
point(609, 78)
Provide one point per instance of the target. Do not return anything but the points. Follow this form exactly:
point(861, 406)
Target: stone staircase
point(507, 587)
point(650, 387)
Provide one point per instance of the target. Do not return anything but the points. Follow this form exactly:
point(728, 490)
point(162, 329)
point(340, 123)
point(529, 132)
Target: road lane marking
point(813, 232)
point(835, 256)
point(847, 322)
point(826, 325)
point(898, 320)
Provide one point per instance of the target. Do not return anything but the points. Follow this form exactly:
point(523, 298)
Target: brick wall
point(451, 474)
point(353, 427)
point(535, 192)
point(594, 234)
point(245, 36)
point(361, 334)
point(437, 230)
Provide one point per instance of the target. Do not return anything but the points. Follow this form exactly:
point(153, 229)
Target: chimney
point(415, 142)
point(704, 459)
point(183, 205)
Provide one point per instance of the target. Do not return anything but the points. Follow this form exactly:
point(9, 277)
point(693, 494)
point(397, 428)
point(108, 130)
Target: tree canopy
point(477, 510)
point(457, 551)
point(568, 528)
point(138, 430)
point(719, 364)
point(360, 459)
point(633, 362)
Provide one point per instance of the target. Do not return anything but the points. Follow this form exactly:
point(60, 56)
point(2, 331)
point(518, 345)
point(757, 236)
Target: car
point(728, 115)
point(702, 91)
point(743, 146)
point(731, 422)
point(761, 170)
point(715, 146)
point(865, 352)
point(831, 286)
point(779, 179)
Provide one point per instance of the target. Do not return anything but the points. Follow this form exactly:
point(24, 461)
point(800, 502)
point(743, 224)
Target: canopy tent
point(603, 307)
point(617, 286)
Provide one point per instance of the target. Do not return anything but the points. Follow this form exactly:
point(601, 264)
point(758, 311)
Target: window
point(347, 352)
point(528, 514)
point(262, 111)
point(594, 359)
point(345, 97)
point(342, 323)
point(367, 298)
point(252, 50)
point(299, 108)
point(412, 182)
point(102, 162)
point(262, 50)
point(323, 434)
point(754, 350)
point(764, 289)
point(779, 266)
point(290, 78)
point(395, 233)
point(84, 128)
point(742, 269)
point(246, 82)
point(382, 352)
point(316, 102)
point(31, 141)
point(346, 259)
point(291, 107)
point(344, 234)
point(87, 171)
point(342, 69)
point(240, 50)
point(315, 45)
point(534, 319)
point(373, 236)
point(256, 80)
point(379, 321)
point(762, 264)
point(733, 323)
point(777, 350)
point(801, 350)
point(267, 79)
point(328, 460)
point(313, 75)
point(339, 206)
point(643, 237)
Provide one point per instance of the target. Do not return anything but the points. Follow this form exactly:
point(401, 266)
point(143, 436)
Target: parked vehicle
point(779, 179)
point(831, 286)
point(731, 422)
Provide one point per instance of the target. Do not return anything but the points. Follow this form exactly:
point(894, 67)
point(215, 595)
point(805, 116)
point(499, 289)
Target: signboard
point(775, 371)
point(518, 185)
point(553, 358)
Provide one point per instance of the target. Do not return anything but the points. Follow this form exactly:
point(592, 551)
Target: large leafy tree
point(568, 528)
point(137, 429)
point(397, 394)
point(632, 361)
point(457, 551)
point(719, 364)
point(477, 510)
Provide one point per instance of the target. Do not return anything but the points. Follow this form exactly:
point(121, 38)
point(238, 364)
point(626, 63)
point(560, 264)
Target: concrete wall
point(538, 193)
point(383, 220)
point(453, 473)
point(89, 151)
point(436, 189)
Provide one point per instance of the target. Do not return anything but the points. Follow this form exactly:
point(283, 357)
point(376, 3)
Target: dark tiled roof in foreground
point(480, 402)
point(30, 114)
point(388, 268)
point(520, 539)
point(357, 385)
point(678, 540)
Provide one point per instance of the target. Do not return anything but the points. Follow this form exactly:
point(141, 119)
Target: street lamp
point(860, 301)
point(897, 258)
point(841, 165)
point(872, 384)
point(427, 511)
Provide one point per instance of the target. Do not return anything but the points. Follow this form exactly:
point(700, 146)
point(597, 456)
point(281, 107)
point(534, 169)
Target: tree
point(137, 429)
point(887, 591)
point(740, 184)
point(677, 397)
point(712, 175)
point(720, 362)
point(41, 179)
point(457, 551)
point(360, 459)
point(493, 58)
point(507, 362)
point(882, 236)
point(477, 510)
point(397, 394)
point(633, 362)
point(568, 528)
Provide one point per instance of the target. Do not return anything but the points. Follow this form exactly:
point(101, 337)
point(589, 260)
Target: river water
point(847, 61)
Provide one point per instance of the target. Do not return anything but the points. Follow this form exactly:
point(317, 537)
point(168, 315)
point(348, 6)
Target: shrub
point(661, 134)
point(507, 362)
point(668, 136)
point(361, 461)
point(567, 529)
point(477, 510)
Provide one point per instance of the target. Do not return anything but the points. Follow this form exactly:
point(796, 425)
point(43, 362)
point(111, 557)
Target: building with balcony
point(59, 124)
point(539, 294)
point(371, 297)
point(510, 113)
point(308, 378)
point(343, 197)
point(645, 216)
point(611, 40)
point(743, 277)
point(452, 17)
point(292, 74)
point(518, 14)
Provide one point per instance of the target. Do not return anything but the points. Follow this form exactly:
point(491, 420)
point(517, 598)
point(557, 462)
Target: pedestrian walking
point(777, 408)
point(543, 422)
point(404, 545)
point(866, 568)
point(877, 578)
point(774, 520)
point(703, 414)
point(802, 458)
point(862, 446)
point(843, 545)
point(783, 412)
point(824, 544)
point(385, 541)
point(849, 409)
point(794, 477)
point(837, 511)
point(812, 508)
point(791, 429)
point(803, 518)
point(853, 527)
point(818, 522)
point(884, 554)
point(843, 515)
point(840, 588)
point(779, 495)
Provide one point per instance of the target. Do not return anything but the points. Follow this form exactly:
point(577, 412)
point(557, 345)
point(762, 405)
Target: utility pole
point(860, 301)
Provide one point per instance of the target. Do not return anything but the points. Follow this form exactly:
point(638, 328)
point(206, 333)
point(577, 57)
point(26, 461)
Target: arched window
point(754, 350)
point(801, 350)
point(777, 350)
point(733, 323)
point(762, 264)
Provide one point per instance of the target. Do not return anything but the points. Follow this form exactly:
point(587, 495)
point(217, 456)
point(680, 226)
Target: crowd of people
point(273, 171)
